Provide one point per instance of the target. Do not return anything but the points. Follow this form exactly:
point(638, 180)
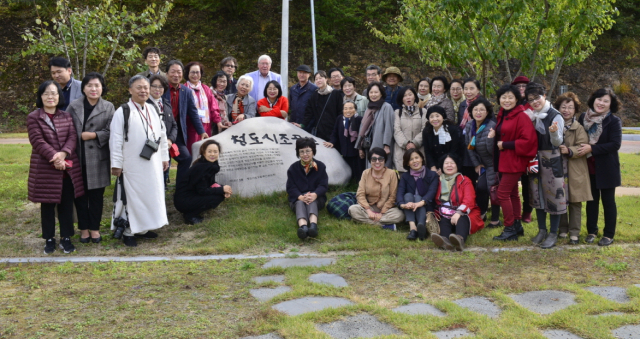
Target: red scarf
point(466, 117)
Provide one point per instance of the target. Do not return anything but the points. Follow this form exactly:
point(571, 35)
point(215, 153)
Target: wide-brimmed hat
point(392, 70)
point(520, 80)
point(303, 68)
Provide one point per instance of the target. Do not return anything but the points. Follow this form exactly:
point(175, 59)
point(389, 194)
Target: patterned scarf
point(593, 125)
point(327, 89)
point(456, 104)
point(417, 175)
point(435, 100)
point(222, 105)
point(472, 144)
point(237, 108)
point(307, 167)
point(350, 132)
point(201, 100)
point(409, 109)
point(466, 117)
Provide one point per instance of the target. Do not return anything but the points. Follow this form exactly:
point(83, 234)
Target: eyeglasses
point(157, 87)
point(194, 72)
point(456, 89)
point(50, 94)
point(231, 66)
point(377, 159)
point(305, 151)
point(534, 99)
point(521, 86)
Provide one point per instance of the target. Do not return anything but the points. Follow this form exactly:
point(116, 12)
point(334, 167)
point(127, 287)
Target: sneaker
point(390, 227)
point(50, 246)
point(67, 246)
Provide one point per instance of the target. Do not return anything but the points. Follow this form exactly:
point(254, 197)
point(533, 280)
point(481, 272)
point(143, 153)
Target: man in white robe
point(143, 179)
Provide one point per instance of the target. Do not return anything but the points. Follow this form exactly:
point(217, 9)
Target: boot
point(509, 233)
point(441, 242)
point(518, 225)
point(539, 238)
point(551, 240)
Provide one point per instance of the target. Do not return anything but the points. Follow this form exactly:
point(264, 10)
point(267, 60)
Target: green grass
point(630, 131)
point(630, 169)
point(14, 135)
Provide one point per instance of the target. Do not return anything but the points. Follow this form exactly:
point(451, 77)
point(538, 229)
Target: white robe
point(143, 179)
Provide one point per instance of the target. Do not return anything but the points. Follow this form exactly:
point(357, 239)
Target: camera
point(149, 148)
point(120, 223)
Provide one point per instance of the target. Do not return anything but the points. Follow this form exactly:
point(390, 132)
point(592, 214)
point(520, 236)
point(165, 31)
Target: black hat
point(436, 109)
point(303, 68)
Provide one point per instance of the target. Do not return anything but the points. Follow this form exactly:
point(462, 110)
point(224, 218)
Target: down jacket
point(463, 197)
point(47, 138)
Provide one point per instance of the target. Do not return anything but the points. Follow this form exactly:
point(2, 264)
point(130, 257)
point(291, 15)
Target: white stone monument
point(257, 152)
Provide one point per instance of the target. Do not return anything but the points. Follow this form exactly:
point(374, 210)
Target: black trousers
point(65, 213)
point(470, 172)
point(194, 206)
point(483, 197)
point(357, 166)
point(89, 208)
point(462, 228)
point(609, 207)
point(526, 207)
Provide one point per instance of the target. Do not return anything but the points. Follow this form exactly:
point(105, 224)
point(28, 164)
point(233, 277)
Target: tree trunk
point(537, 43)
point(73, 37)
point(556, 74)
point(86, 43)
point(484, 76)
point(113, 51)
point(506, 64)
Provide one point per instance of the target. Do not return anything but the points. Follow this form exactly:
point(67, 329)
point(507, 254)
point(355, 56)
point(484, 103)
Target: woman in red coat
point(273, 104)
point(55, 177)
point(455, 206)
point(516, 145)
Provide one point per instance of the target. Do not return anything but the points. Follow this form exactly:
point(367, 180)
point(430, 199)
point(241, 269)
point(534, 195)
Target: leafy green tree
point(101, 35)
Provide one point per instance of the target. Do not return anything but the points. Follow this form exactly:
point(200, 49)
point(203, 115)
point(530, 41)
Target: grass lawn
point(13, 135)
point(245, 225)
point(630, 131)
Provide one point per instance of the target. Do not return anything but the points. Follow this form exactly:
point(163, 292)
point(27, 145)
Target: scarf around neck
point(350, 98)
point(474, 131)
point(435, 100)
point(593, 124)
point(446, 183)
point(421, 188)
point(443, 136)
point(424, 97)
point(538, 116)
point(467, 116)
point(308, 166)
point(200, 98)
point(327, 89)
point(456, 104)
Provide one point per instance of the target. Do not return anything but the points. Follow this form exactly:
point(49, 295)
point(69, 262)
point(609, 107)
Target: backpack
point(339, 205)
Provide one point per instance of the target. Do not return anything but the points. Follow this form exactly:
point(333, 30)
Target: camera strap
point(146, 122)
point(123, 196)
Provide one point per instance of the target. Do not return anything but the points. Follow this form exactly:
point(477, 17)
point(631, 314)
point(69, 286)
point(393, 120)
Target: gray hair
point(136, 78)
point(265, 57)
point(248, 79)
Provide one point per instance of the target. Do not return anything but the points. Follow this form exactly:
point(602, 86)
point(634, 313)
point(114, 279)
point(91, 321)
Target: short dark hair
point(456, 81)
point(444, 80)
point(568, 96)
point(428, 80)
point(349, 80)
point(380, 86)
point(350, 102)
point(174, 62)
point(336, 69)
point(91, 76)
point(321, 73)
point(487, 105)
point(214, 80)
point(227, 59)
point(401, 94)
point(473, 80)
point(445, 121)
point(187, 69)
point(163, 81)
point(275, 83)
point(59, 62)
point(372, 68)
point(43, 87)
point(150, 49)
point(534, 88)
point(407, 157)
point(615, 103)
point(304, 143)
point(377, 151)
point(453, 157)
point(508, 88)
point(207, 143)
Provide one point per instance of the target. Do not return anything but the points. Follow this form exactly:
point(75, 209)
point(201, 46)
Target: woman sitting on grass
point(377, 194)
point(455, 205)
point(307, 185)
point(201, 192)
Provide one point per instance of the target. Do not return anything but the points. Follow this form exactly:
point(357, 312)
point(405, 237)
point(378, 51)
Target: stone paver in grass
point(359, 326)
point(544, 302)
point(617, 294)
point(627, 332)
point(480, 305)
point(274, 278)
point(560, 334)
point(419, 308)
point(290, 262)
point(329, 279)
point(265, 336)
point(608, 314)
point(310, 304)
point(448, 334)
point(266, 294)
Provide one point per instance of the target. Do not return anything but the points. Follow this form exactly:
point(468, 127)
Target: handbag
point(314, 130)
point(433, 225)
point(174, 151)
point(493, 191)
point(339, 205)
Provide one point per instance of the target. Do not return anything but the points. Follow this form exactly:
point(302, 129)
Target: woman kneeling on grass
point(200, 192)
point(307, 185)
point(455, 205)
point(377, 194)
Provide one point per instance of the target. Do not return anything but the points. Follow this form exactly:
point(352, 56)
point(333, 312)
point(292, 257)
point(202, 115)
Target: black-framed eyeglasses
point(232, 66)
point(534, 99)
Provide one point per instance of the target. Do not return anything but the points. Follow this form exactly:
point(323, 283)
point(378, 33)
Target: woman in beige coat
point(579, 184)
point(408, 125)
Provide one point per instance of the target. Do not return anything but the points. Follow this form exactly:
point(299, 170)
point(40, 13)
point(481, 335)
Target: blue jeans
point(419, 217)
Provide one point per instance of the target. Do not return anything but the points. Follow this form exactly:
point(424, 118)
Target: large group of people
point(438, 156)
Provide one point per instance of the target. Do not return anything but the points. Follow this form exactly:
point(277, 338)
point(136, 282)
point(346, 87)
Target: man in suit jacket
point(262, 76)
point(151, 57)
point(62, 73)
point(183, 105)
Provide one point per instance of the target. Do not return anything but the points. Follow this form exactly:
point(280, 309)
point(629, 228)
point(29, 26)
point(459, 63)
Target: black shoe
point(604, 241)
point(85, 240)
point(413, 235)
point(313, 230)
point(550, 241)
point(539, 238)
point(518, 224)
point(95, 240)
point(67, 246)
point(129, 241)
point(422, 232)
point(193, 220)
point(590, 239)
point(457, 241)
point(303, 232)
point(490, 225)
point(574, 241)
point(509, 233)
point(148, 235)
point(50, 246)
